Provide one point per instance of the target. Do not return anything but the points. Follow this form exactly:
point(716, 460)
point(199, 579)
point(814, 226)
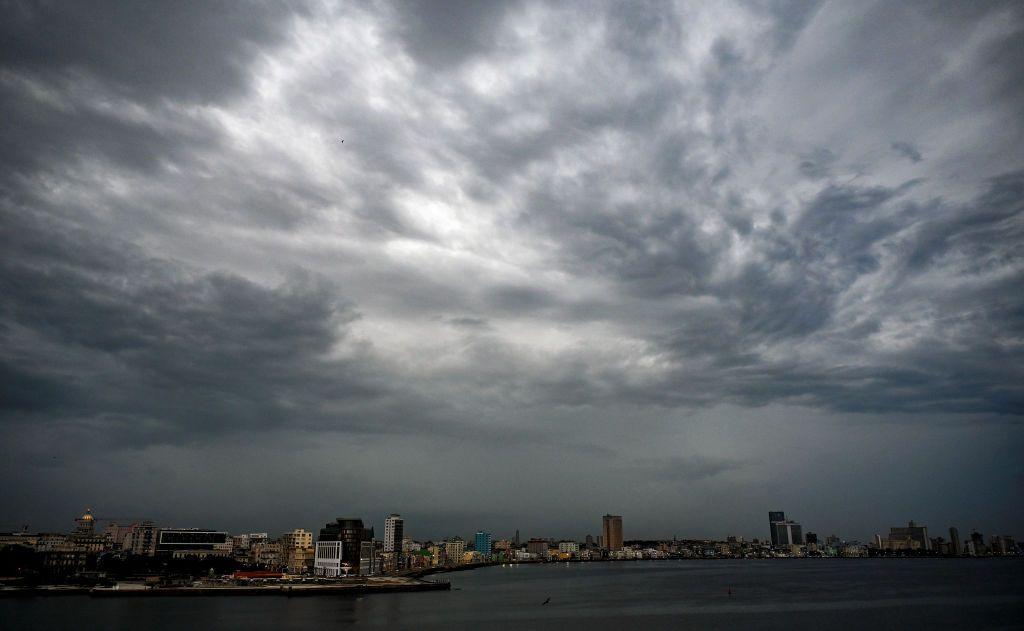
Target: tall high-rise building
point(394, 531)
point(954, 541)
point(784, 532)
point(977, 544)
point(611, 526)
point(482, 542)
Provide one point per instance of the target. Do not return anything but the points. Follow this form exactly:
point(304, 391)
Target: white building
point(328, 561)
point(394, 530)
point(568, 546)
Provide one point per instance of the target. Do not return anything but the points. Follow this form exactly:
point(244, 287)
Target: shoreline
point(287, 591)
point(411, 582)
point(474, 566)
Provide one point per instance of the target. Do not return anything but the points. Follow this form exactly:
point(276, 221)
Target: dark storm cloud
point(196, 51)
point(975, 231)
point(795, 298)
point(135, 341)
point(598, 243)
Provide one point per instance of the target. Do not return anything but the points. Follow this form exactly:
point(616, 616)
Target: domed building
point(86, 524)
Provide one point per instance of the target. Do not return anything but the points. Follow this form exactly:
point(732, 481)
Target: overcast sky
point(686, 263)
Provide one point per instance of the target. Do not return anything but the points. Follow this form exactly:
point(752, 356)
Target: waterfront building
point(328, 560)
point(22, 538)
point(977, 544)
point(86, 524)
point(538, 547)
point(954, 541)
point(568, 547)
point(60, 555)
point(394, 531)
point(437, 553)
point(1001, 545)
point(299, 560)
point(351, 533)
point(117, 537)
point(611, 528)
point(271, 555)
point(910, 537)
point(298, 538)
point(369, 560)
point(784, 532)
point(297, 551)
point(143, 538)
point(454, 548)
point(482, 544)
point(84, 536)
point(181, 543)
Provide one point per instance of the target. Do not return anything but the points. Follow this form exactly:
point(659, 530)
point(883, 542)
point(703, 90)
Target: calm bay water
point(778, 594)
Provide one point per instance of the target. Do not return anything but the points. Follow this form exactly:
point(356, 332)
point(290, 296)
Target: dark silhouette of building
point(978, 544)
point(612, 532)
point(954, 541)
point(911, 533)
point(784, 531)
point(351, 533)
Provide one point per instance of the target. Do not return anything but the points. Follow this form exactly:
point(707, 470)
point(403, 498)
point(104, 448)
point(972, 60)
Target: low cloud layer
point(681, 262)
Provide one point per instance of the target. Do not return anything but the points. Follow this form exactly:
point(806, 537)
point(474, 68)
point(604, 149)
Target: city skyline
point(686, 263)
point(607, 523)
point(347, 547)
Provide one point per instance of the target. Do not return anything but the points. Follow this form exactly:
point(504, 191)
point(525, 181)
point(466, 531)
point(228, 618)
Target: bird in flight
point(342, 141)
point(546, 601)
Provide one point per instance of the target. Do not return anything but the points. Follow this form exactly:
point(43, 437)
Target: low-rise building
point(181, 543)
point(328, 559)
